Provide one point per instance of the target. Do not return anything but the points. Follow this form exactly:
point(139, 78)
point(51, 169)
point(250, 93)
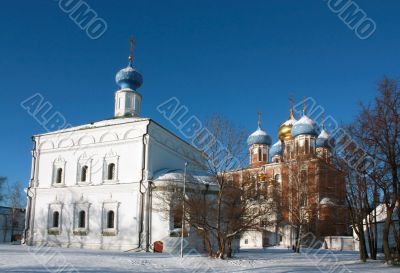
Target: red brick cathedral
point(298, 167)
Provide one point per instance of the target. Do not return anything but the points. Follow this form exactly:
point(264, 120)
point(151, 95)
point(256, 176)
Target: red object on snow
point(158, 246)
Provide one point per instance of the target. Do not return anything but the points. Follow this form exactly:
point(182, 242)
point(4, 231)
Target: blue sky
point(230, 57)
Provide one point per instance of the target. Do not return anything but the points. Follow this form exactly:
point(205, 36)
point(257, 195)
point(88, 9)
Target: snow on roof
point(289, 121)
point(326, 201)
point(323, 134)
point(277, 144)
point(176, 175)
point(259, 137)
point(305, 120)
point(97, 124)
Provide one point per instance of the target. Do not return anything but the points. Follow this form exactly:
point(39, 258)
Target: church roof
point(129, 77)
point(276, 149)
point(259, 137)
point(115, 122)
point(97, 124)
point(304, 126)
point(323, 139)
point(176, 175)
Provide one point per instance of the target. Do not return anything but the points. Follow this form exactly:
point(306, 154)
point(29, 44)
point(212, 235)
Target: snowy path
point(14, 258)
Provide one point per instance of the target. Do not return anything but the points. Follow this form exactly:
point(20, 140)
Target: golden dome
point(285, 130)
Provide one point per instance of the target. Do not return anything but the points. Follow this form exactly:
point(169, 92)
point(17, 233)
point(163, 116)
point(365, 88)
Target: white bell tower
point(128, 101)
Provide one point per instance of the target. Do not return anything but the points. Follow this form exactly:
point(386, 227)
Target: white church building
point(91, 185)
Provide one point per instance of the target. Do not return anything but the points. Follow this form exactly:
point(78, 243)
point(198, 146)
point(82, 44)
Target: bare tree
point(301, 205)
point(225, 150)
point(240, 204)
point(376, 130)
point(357, 193)
point(3, 180)
point(199, 208)
point(237, 201)
point(251, 204)
point(16, 202)
point(5, 226)
point(248, 202)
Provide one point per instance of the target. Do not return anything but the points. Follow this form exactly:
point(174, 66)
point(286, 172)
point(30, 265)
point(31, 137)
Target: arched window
point(82, 219)
point(277, 177)
point(110, 219)
point(260, 157)
point(59, 175)
point(306, 146)
point(56, 219)
point(84, 173)
point(111, 171)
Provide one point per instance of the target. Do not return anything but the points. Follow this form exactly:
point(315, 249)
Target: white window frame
point(78, 207)
point(53, 208)
point(84, 161)
point(59, 163)
point(110, 158)
point(107, 206)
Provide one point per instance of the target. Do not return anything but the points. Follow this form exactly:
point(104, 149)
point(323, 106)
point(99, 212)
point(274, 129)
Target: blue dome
point(276, 149)
point(259, 137)
point(128, 77)
point(324, 140)
point(304, 126)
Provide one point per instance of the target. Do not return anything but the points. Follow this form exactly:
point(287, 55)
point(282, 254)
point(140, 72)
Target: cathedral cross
point(132, 44)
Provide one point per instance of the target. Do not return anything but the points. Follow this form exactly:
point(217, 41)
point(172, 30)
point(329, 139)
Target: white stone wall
point(125, 196)
point(251, 239)
point(118, 141)
point(379, 227)
point(96, 147)
point(339, 242)
point(166, 151)
point(380, 214)
point(288, 236)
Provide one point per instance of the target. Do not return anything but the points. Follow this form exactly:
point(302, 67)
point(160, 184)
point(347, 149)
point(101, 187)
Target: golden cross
point(259, 119)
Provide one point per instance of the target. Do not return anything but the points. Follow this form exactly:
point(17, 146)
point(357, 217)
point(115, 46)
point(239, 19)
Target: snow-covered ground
point(17, 258)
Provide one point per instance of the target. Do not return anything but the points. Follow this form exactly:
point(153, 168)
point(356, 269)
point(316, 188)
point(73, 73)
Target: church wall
point(122, 199)
point(163, 230)
point(161, 157)
point(323, 181)
point(126, 156)
point(166, 151)
point(120, 144)
point(251, 239)
point(106, 142)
